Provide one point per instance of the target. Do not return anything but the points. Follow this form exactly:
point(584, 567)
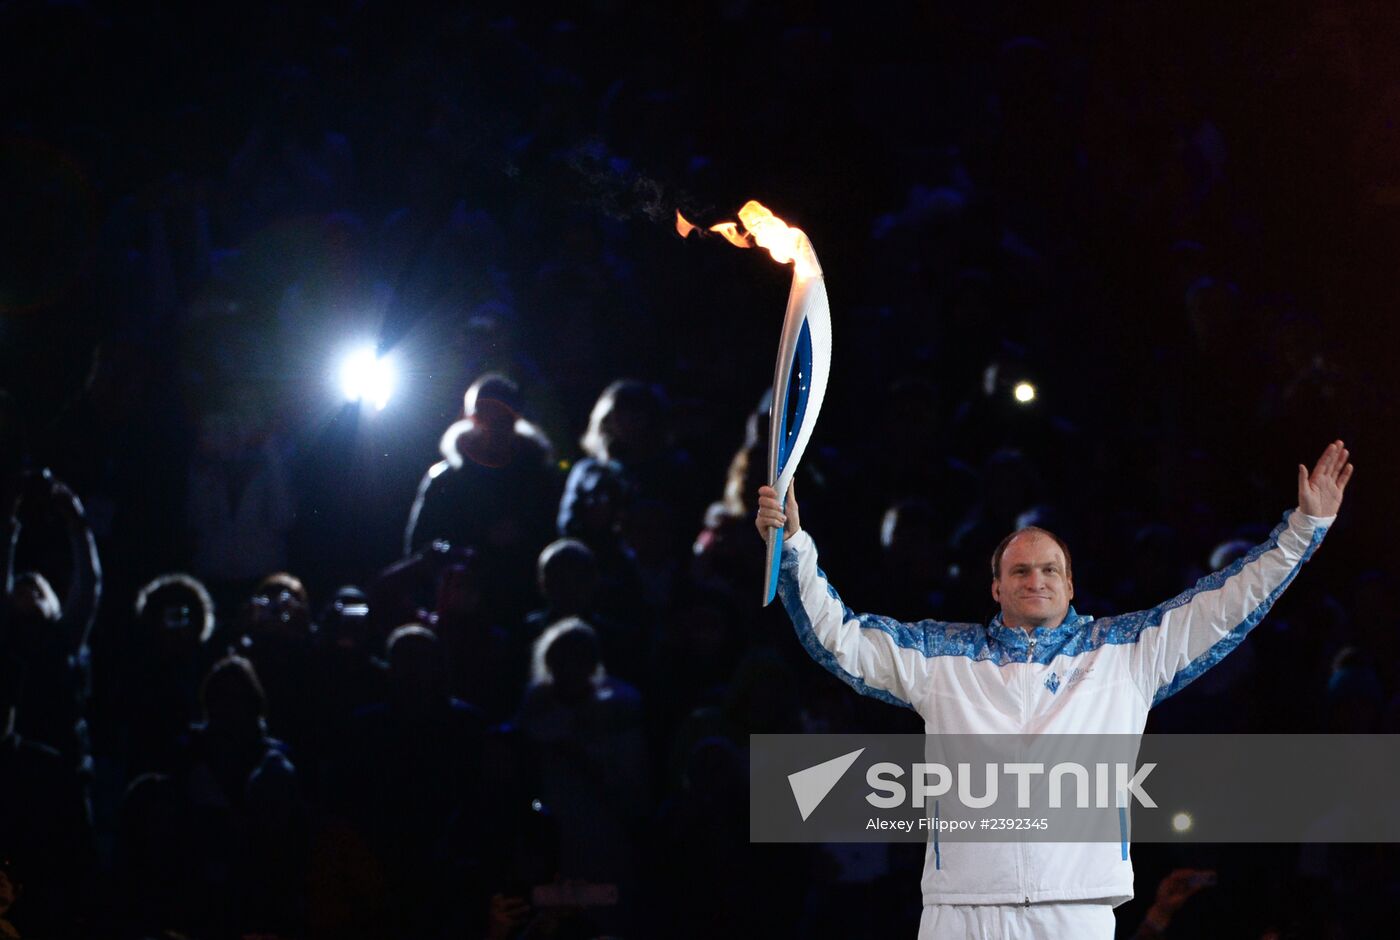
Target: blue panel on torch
point(802, 373)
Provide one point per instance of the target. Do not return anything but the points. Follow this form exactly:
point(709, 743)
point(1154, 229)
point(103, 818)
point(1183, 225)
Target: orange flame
point(683, 225)
point(730, 231)
point(784, 243)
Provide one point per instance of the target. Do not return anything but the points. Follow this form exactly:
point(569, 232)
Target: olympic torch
point(803, 365)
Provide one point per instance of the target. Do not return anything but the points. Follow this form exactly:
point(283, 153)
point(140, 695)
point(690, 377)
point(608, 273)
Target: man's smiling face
point(1033, 587)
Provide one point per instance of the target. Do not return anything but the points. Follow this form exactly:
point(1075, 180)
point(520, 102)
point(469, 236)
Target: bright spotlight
point(1024, 392)
point(367, 377)
point(1181, 822)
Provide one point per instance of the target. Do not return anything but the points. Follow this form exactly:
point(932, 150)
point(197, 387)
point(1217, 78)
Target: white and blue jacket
point(1085, 676)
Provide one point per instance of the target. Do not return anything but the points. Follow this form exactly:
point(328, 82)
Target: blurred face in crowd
point(33, 601)
point(573, 661)
point(232, 698)
point(569, 585)
point(345, 623)
point(599, 505)
point(1033, 587)
point(416, 670)
point(624, 428)
point(279, 611)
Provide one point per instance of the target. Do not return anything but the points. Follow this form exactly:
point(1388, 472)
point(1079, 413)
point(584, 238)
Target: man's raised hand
point(770, 513)
point(1320, 492)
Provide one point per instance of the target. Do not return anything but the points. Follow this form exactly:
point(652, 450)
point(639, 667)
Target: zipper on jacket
point(1025, 717)
point(937, 858)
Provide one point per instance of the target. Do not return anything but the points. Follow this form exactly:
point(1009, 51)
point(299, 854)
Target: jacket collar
point(1016, 638)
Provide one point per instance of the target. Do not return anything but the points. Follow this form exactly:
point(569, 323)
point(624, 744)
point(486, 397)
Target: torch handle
point(800, 373)
point(774, 558)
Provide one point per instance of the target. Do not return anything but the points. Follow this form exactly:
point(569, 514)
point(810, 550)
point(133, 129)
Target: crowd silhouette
point(254, 684)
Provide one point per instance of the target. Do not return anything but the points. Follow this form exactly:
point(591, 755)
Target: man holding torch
point(999, 678)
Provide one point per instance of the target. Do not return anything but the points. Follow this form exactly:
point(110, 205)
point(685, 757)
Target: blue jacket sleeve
point(877, 656)
point(1177, 641)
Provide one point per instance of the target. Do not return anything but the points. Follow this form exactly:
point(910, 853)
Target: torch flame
point(730, 231)
point(786, 244)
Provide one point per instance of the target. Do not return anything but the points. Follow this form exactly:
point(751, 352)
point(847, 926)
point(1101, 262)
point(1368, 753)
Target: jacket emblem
point(1074, 677)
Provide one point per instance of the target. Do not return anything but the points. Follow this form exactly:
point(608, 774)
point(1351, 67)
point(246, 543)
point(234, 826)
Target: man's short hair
point(570, 630)
point(1034, 530)
point(406, 637)
point(493, 386)
point(567, 555)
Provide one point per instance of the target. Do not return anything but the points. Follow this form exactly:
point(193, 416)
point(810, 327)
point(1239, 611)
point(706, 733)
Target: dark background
point(1176, 219)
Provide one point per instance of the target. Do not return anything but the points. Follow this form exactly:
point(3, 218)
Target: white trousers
point(1065, 920)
